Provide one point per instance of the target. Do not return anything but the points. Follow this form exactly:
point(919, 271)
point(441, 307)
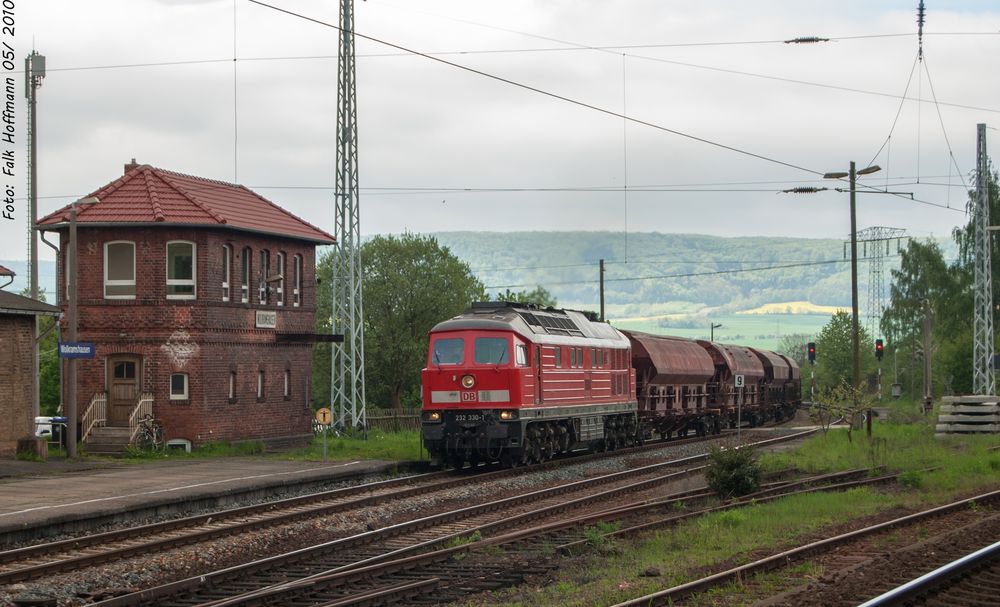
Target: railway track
point(972, 580)
point(442, 575)
point(353, 560)
point(856, 564)
point(46, 559)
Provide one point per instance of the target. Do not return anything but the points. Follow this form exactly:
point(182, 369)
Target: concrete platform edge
point(104, 514)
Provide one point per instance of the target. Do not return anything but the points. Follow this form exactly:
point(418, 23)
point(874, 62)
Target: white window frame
point(280, 291)
point(265, 264)
point(297, 284)
point(183, 282)
point(114, 283)
point(246, 267)
point(260, 384)
point(227, 268)
point(185, 394)
point(232, 385)
point(288, 383)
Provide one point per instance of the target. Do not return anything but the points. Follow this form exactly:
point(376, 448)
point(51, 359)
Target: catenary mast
point(983, 380)
point(347, 389)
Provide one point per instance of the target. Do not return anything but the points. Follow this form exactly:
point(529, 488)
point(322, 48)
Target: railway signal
point(879, 349)
point(811, 349)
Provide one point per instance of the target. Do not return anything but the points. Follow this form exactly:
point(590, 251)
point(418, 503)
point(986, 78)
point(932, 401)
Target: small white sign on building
point(739, 381)
point(267, 319)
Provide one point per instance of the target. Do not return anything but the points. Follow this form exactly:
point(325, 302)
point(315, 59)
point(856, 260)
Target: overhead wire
point(546, 93)
point(668, 276)
point(570, 100)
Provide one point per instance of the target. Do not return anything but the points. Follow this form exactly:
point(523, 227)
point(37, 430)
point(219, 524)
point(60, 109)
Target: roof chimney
point(131, 165)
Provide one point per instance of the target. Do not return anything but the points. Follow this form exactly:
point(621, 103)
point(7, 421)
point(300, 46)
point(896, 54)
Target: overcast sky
point(728, 111)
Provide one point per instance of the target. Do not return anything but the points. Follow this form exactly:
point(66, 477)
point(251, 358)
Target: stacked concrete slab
point(968, 415)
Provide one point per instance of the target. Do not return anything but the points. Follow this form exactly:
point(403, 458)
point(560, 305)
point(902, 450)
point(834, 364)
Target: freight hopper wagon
point(517, 385)
point(672, 379)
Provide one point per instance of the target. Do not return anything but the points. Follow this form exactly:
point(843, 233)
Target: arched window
point(245, 275)
point(280, 282)
point(227, 262)
point(297, 280)
point(181, 269)
point(265, 259)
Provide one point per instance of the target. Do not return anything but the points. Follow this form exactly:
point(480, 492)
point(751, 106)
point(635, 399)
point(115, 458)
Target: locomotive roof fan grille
point(552, 324)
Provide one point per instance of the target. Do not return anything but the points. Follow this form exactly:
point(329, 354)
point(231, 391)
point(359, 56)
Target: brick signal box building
point(200, 298)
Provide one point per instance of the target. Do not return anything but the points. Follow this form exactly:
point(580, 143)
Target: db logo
point(468, 397)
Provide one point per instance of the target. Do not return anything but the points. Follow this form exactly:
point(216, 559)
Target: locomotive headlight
point(432, 416)
point(508, 415)
point(468, 381)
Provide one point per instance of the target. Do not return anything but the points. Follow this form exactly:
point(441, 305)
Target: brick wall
point(206, 338)
point(16, 368)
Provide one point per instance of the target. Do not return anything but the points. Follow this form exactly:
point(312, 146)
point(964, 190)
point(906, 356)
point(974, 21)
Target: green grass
point(963, 462)
point(405, 445)
point(378, 446)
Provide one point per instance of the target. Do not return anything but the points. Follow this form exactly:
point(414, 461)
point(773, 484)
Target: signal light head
point(879, 349)
point(811, 351)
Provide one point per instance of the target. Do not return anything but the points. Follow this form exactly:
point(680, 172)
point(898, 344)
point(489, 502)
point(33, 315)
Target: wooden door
point(123, 388)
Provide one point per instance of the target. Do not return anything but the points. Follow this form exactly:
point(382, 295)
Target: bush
point(732, 472)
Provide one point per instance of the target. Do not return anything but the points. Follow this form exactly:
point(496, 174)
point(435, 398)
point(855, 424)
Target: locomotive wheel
point(457, 461)
point(536, 452)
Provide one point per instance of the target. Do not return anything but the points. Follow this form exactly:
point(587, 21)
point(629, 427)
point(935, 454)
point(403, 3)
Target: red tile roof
point(148, 195)
point(4, 271)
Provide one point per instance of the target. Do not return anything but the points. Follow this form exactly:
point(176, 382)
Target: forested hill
point(662, 269)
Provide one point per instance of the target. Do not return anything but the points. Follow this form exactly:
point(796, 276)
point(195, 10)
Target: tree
point(841, 402)
point(410, 283)
point(48, 360)
point(923, 277)
point(540, 297)
point(794, 346)
point(835, 352)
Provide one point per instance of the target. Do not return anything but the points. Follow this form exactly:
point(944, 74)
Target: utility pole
point(347, 385)
point(856, 354)
point(928, 383)
point(602, 290)
point(983, 379)
point(34, 71)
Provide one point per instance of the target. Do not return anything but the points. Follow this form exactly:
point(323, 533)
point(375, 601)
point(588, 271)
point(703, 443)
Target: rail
point(935, 578)
point(95, 415)
point(142, 408)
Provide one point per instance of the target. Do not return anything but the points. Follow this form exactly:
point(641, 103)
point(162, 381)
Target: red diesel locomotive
point(516, 384)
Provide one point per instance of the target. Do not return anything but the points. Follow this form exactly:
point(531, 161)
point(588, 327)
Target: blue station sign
point(76, 349)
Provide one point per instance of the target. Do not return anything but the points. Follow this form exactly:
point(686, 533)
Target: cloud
point(428, 125)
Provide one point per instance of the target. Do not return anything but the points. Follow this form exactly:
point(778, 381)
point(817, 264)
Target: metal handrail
point(142, 408)
point(95, 415)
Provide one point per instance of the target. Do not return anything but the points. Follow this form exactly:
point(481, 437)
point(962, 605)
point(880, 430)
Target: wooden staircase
point(108, 440)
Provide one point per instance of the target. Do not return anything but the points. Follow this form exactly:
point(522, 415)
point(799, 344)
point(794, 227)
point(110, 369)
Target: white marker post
point(739, 409)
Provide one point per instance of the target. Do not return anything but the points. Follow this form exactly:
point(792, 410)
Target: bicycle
point(150, 435)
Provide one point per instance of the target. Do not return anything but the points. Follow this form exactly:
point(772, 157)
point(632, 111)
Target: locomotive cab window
point(448, 351)
point(491, 351)
point(521, 355)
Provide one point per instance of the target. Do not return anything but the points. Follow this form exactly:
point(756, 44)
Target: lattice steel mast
point(34, 71)
point(983, 380)
point(347, 387)
point(877, 243)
